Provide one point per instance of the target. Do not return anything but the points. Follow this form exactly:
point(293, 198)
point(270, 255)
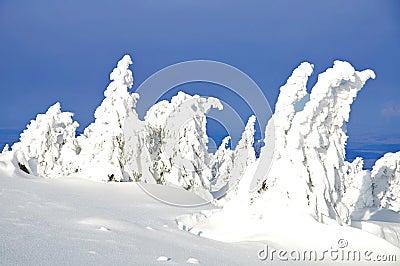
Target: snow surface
point(72, 221)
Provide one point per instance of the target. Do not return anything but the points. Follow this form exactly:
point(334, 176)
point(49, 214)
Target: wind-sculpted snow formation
point(309, 172)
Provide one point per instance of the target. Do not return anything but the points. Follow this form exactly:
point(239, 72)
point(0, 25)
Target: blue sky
point(64, 50)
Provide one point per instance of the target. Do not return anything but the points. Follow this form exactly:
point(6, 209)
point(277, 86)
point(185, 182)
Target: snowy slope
point(72, 221)
point(69, 221)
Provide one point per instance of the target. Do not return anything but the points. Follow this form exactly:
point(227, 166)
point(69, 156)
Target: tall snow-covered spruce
point(102, 144)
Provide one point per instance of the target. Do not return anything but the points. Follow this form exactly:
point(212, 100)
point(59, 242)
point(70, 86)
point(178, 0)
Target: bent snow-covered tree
point(310, 134)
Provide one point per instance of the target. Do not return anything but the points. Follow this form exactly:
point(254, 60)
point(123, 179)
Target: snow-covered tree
point(222, 164)
point(244, 153)
point(386, 179)
point(48, 147)
point(310, 140)
point(177, 141)
point(102, 144)
point(230, 166)
point(357, 186)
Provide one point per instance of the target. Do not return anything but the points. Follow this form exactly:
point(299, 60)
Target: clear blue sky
point(64, 50)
